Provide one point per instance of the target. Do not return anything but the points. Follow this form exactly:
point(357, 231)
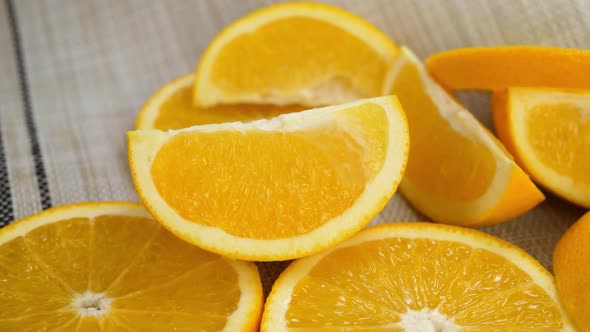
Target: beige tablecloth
point(73, 75)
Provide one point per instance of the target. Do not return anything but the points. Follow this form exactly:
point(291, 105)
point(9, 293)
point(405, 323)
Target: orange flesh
point(559, 134)
point(309, 176)
point(179, 112)
point(374, 284)
point(237, 68)
point(157, 282)
point(440, 157)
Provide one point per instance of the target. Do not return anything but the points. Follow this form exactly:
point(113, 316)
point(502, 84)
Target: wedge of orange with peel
point(171, 107)
point(295, 53)
point(500, 67)
point(416, 277)
point(457, 172)
point(111, 267)
point(548, 132)
point(571, 267)
point(273, 189)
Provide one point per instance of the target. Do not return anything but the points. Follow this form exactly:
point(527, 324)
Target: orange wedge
point(171, 107)
point(110, 267)
point(273, 189)
point(416, 277)
point(295, 53)
point(572, 268)
point(457, 172)
point(495, 68)
point(548, 132)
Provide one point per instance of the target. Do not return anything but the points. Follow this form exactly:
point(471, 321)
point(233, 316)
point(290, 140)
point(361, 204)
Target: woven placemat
point(75, 73)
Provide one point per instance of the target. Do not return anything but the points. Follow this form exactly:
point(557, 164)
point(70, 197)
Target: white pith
point(91, 304)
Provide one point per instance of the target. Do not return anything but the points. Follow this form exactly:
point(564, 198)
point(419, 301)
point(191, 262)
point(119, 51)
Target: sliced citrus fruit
point(295, 53)
point(110, 267)
point(416, 277)
point(171, 107)
point(572, 268)
point(273, 189)
point(495, 68)
point(457, 171)
point(548, 132)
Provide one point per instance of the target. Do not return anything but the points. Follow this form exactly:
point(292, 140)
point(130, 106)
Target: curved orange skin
point(521, 195)
point(501, 121)
point(519, 179)
point(499, 67)
point(571, 265)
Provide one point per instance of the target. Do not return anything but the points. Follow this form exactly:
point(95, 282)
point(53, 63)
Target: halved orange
point(500, 67)
point(110, 267)
point(572, 268)
point(548, 132)
point(273, 189)
point(295, 53)
point(171, 107)
point(416, 277)
point(457, 172)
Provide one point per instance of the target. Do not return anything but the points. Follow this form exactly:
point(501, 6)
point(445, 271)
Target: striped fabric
point(74, 74)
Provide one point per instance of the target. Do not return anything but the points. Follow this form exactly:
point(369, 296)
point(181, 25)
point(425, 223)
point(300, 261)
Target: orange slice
point(273, 189)
point(457, 172)
point(171, 107)
point(295, 53)
point(110, 267)
point(548, 132)
point(572, 268)
point(495, 68)
point(416, 277)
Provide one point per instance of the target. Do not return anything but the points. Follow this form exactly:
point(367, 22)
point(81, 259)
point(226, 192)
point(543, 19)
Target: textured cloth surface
point(75, 73)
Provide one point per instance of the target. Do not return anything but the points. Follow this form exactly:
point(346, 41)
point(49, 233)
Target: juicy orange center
point(308, 176)
point(560, 137)
point(440, 157)
point(393, 283)
point(320, 54)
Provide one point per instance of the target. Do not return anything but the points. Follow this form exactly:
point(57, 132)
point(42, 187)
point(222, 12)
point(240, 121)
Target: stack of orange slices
point(541, 111)
point(541, 107)
point(457, 172)
point(227, 159)
point(321, 175)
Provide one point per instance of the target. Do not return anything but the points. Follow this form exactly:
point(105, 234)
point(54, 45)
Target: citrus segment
point(415, 277)
point(127, 237)
point(59, 322)
point(548, 132)
point(570, 263)
point(273, 189)
point(110, 266)
point(320, 55)
point(500, 67)
point(457, 171)
point(171, 107)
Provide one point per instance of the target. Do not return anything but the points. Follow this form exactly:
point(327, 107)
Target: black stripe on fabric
point(28, 109)
point(6, 208)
